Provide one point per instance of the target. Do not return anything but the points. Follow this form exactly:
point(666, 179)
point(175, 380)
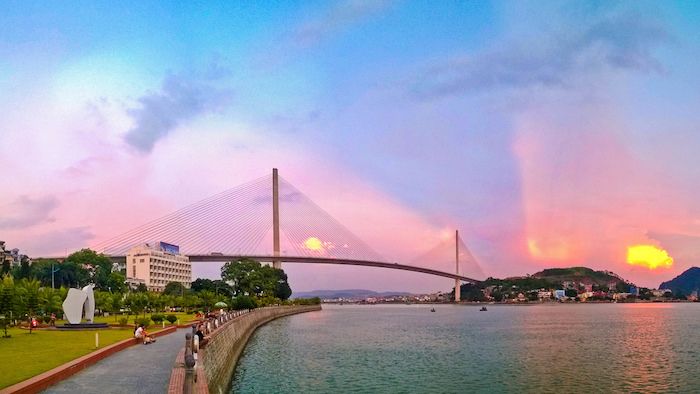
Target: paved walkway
point(138, 369)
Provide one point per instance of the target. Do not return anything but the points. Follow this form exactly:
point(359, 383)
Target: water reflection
point(535, 348)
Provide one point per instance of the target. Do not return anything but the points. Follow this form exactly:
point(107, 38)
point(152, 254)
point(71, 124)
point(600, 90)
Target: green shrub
point(157, 318)
point(146, 321)
point(245, 302)
point(171, 318)
point(123, 321)
point(47, 319)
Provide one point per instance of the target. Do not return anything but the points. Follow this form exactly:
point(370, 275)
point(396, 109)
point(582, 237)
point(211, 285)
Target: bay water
point(553, 347)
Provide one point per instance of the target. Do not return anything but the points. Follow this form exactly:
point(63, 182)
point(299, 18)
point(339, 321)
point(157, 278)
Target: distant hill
point(578, 274)
point(352, 293)
point(687, 282)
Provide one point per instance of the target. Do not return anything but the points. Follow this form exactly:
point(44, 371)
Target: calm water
point(457, 349)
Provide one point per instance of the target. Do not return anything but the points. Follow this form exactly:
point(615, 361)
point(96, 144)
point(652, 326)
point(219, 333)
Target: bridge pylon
point(457, 281)
point(276, 263)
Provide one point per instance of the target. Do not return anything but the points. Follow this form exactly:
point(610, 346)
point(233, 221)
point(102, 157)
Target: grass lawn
point(25, 355)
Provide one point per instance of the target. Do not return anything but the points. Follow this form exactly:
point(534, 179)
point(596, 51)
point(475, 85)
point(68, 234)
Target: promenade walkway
point(138, 369)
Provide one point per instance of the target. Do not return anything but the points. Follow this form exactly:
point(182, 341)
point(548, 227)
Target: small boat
point(432, 310)
point(483, 309)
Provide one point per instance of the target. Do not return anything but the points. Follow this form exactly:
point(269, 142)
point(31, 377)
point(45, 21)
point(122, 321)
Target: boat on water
point(483, 309)
point(432, 310)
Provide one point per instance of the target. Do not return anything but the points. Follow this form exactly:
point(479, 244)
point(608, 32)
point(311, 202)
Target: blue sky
point(548, 133)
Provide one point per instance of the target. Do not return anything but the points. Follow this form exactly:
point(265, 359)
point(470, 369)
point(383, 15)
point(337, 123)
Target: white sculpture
point(80, 303)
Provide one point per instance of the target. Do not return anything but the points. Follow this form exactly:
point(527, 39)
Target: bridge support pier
point(458, 291)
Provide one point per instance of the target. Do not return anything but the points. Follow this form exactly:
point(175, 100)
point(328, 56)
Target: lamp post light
point(53, 271)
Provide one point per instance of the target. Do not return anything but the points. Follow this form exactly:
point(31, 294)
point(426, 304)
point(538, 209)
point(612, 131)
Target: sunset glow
point(314, 244)
point(547, 135)
point(648, 256)
point(551, 250)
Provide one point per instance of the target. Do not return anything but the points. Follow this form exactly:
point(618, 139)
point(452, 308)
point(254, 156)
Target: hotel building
point(158, 265)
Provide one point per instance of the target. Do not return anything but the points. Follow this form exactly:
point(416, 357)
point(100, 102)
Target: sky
point(550, 134)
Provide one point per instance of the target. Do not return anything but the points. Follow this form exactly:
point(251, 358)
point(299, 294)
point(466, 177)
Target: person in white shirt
point(142, 334)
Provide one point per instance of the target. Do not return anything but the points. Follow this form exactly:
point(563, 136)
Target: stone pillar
point(188, 385)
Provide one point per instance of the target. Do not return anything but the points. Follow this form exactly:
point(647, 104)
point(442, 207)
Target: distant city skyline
point(551, 134)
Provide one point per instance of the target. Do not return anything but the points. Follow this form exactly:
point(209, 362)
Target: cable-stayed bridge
point(235, 223)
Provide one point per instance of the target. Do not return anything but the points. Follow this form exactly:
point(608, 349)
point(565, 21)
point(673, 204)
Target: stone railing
point(208, 367)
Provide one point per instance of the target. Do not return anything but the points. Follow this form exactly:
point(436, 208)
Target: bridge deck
point(319, 260)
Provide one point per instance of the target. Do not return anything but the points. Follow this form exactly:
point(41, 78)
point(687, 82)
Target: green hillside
point(578, 274)
point(685, 283)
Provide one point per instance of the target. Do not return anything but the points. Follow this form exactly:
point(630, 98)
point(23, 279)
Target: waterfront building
point(157, 266)
point(11, 256)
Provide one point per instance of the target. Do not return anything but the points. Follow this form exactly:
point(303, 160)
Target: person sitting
point(200, 333)
point(142, 334)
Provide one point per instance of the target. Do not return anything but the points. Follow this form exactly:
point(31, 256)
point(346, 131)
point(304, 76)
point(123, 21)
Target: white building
point(158, 265)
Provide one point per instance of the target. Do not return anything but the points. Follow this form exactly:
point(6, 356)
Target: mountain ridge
point(686, 282)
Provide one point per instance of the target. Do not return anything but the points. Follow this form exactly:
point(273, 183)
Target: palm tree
point(208, 298)
point(28, 291)
point(51, 300)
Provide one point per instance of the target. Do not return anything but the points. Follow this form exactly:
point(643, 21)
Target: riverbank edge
point(218, 360)
point(53, 376)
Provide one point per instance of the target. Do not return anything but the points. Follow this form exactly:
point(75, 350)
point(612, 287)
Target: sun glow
point(313, 243)
point(648, 256)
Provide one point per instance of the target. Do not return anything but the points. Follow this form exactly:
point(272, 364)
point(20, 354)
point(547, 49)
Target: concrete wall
point(221, 354)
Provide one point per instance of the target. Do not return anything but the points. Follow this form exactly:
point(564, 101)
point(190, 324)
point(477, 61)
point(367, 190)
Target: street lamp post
point(53, 271)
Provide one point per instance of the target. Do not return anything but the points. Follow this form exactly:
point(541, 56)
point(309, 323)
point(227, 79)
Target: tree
point(136, 302)
point(103, 301)
point(7, 295)
point(24, 270)
point(571, 292)
point(241, 275)
point(67, 273)
point(116, 282)
point(645, 294)
point(244, 302)
point(175, 289)
point(28, 291)
point(622, 287)
point(51, 301)
point(202, 284)
point(249, 277)
point(282, 290)
point(141, 288)
point(6, 266)
point(208, 298)
point(117, 303)
point(99, 266)
point(497, 295)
